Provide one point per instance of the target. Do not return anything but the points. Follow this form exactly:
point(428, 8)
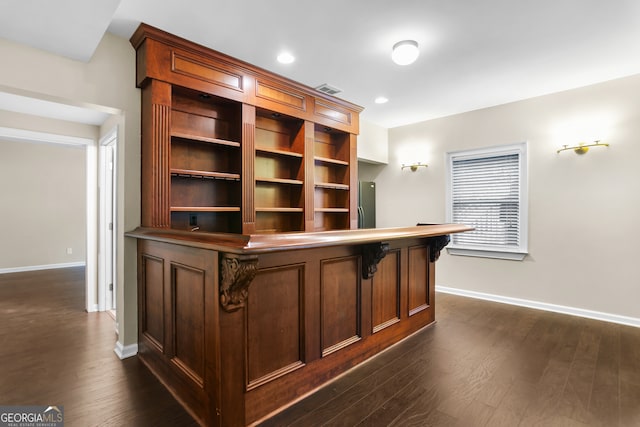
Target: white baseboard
point(93, 308)
point(41, 267)
point(573, 311)
point(124, 351)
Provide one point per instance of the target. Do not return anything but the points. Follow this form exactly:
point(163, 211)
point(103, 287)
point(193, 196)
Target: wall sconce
point(414, 166)
point(582, 148)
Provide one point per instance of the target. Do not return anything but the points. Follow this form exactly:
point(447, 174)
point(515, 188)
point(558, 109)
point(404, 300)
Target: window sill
point(484, 253)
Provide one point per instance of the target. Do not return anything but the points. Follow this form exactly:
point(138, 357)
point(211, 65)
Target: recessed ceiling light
point(405, 52)
point(286, 58)
point(381, 100)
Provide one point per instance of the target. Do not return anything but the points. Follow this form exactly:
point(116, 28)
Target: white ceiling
point(71, 28)
point(474, 54)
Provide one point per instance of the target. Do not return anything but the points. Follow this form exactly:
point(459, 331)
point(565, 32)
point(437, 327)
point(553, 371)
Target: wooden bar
point(254, 285)
point(240, 326)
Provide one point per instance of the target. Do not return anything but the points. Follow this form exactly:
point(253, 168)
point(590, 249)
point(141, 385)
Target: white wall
point(43, 204)
point(107, 80)
point(369, 171)
point(373, 143)
point(583, 210)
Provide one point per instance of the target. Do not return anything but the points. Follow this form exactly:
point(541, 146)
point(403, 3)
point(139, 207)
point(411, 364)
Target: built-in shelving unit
point(332, 179)
point(279, 172)
point(205, 162)
point(228, 147)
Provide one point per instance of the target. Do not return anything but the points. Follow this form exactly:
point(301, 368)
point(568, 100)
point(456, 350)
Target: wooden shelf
point(279, 152)
point(332, 185)
point(205, 208)
point(332, 161)
point(332, 210)
point(232, 160)
point(205, 139)
point(279, 210)
point(199, 174)
point(280, 181)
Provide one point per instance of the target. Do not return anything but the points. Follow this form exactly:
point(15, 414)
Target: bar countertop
point(264, 243)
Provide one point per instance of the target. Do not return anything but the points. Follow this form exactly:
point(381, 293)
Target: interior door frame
point(107, 245)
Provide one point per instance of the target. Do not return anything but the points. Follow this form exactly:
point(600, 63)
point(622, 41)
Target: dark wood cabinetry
point(254, 288)
point(228, 147)
point(317, 305)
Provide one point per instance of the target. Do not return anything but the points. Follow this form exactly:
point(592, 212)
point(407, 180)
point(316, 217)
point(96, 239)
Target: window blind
point(485, 194)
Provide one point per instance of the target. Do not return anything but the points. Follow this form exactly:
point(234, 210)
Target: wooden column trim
point(156, 152)
point(309, 176)
point(161, 209)
point(236, 273)
point(353, 181)
point(248, 168)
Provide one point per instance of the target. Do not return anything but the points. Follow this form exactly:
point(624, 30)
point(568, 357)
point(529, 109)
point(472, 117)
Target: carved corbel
point(236, 273)
point(372, 255)
point(436, 244)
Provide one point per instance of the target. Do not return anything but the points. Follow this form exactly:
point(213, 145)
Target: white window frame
point(493, 251)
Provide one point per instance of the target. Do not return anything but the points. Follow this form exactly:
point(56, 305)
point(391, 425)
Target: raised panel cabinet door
point(275, 333)
point(178, 332)
point(188, 289)
point(340, 301)
point(418, 279)
point(386, 292)
point(152, 299)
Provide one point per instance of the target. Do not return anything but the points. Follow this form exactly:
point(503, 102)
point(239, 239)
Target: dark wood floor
point(54, 353)
point(489, 364)
point(482, 364)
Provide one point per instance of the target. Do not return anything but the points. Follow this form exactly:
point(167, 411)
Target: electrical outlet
point(69, 251)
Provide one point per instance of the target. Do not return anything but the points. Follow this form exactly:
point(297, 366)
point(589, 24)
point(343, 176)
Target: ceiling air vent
point(329, 90)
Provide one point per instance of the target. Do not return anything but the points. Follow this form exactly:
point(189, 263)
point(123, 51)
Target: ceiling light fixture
point(405, 52)
point(286, 58)
point(381, 100)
